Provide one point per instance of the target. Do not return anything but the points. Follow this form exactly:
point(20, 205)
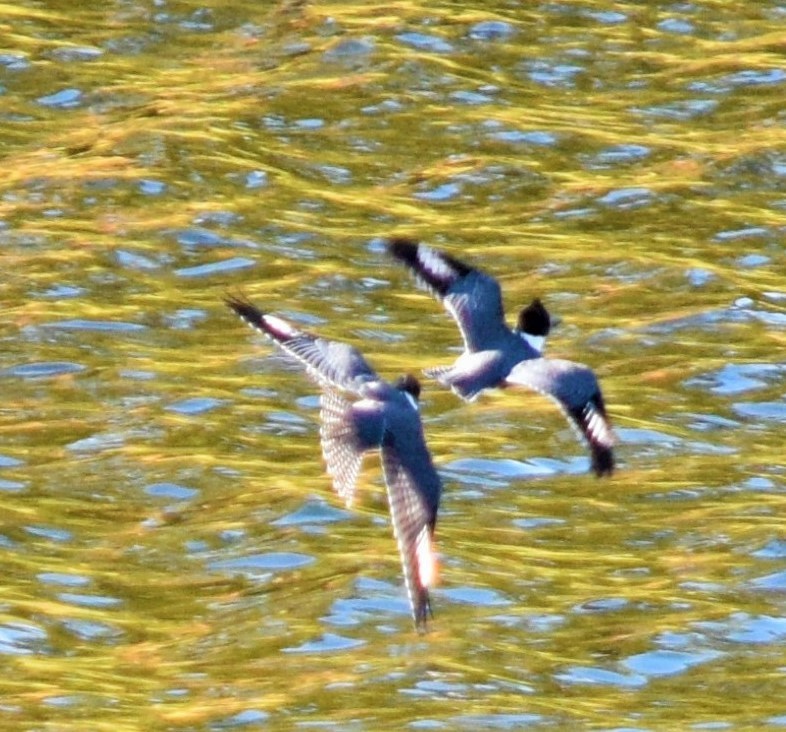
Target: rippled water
point(174, 555)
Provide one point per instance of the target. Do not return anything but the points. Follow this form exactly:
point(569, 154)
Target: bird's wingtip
point(403, 248)
point(423, 614)
point(603, 462)
point(247, 311)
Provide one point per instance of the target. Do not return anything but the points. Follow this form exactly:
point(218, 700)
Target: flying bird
point(496, 355)
point(361, 412)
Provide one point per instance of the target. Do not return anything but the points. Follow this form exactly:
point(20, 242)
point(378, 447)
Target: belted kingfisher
point(497, 356)
point(360, 412)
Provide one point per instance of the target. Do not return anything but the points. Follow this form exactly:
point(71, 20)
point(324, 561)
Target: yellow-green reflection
point(619, 162)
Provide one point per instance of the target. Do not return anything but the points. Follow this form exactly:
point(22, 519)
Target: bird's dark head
point(534, 319)
point(409, 384)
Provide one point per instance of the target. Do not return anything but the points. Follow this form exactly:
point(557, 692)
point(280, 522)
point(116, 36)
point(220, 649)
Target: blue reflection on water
point(591, 675)
point(272, 562)
point(43, 369)
point(328, 643)
point(225, 266)
point(668, 663)
point(195, 405)
point(109, 326)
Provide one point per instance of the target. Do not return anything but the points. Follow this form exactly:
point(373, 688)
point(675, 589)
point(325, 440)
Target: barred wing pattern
point(472, 298)
point(328, 363)
point(340, 447)
point(575, 390)
point(370, 413)
point(413, 526)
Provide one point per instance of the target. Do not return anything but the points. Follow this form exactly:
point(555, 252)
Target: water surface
point(174, 555)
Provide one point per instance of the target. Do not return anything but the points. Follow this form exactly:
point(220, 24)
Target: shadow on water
point(174, 556)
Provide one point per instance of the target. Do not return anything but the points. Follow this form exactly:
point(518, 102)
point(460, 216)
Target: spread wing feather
point(329, 363)
point(575, 390)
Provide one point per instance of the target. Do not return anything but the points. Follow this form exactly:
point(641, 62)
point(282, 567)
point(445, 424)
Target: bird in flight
point(496, 355)
point(361, 412)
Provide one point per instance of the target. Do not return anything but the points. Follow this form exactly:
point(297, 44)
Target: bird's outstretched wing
point(575, 389)
point(341, 448)
point(413, 525)
point(329, 363)
point(472, 297)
